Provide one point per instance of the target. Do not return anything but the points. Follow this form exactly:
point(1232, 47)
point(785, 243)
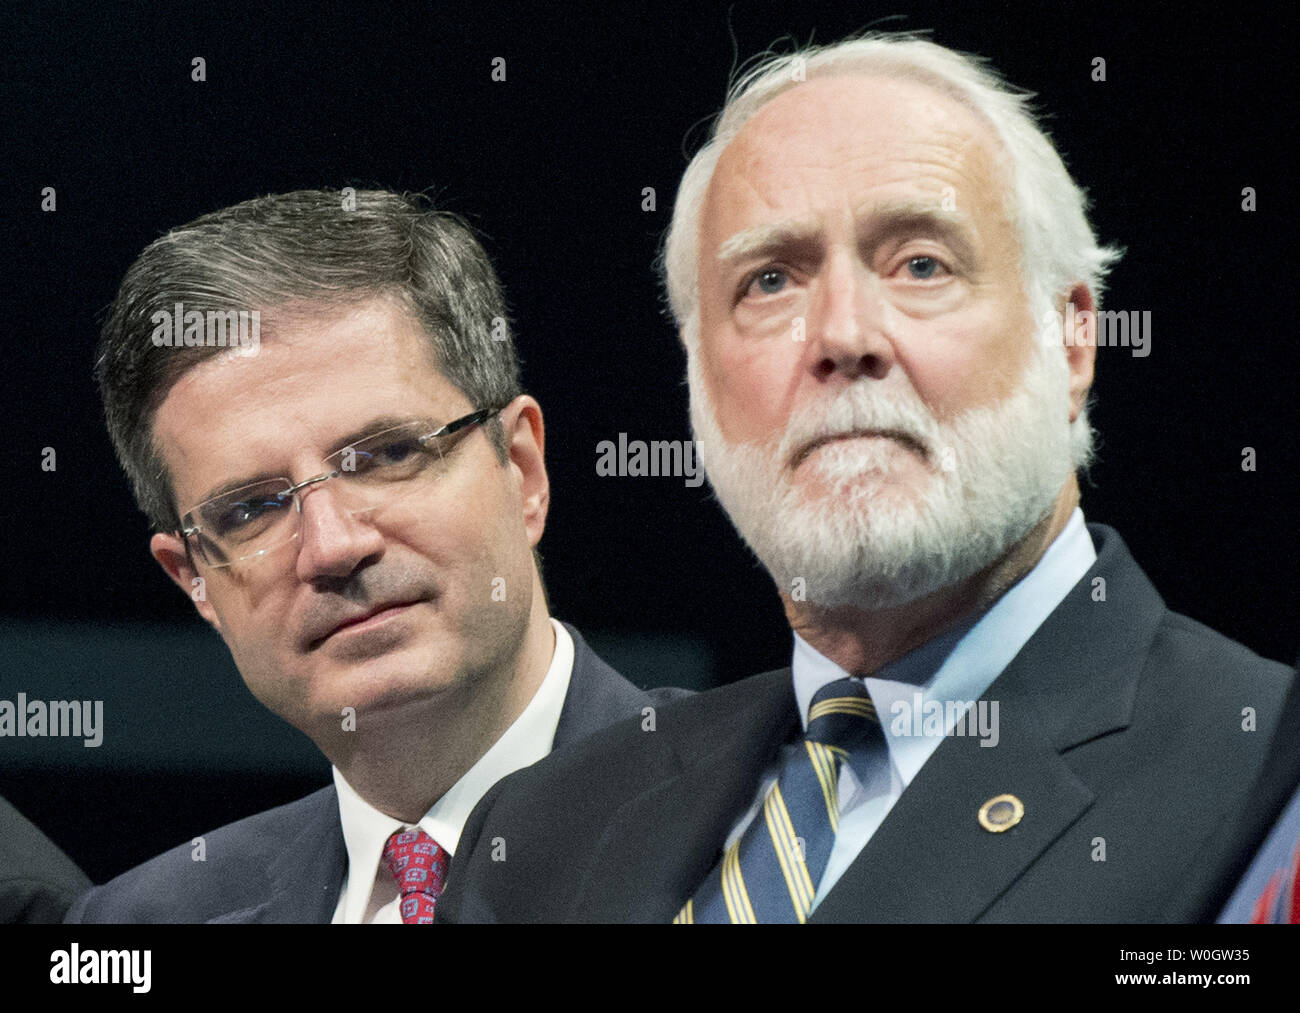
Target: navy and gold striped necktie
point(770, 873)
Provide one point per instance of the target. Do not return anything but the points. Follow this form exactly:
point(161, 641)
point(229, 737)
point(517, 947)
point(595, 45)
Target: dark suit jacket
point(253, 870)
point(1121, 733)
point(37, 880)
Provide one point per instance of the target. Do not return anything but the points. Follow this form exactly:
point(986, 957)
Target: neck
point(863, 640)
point(413, 755)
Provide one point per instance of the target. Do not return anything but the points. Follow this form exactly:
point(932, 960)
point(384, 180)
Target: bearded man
point(887, 289)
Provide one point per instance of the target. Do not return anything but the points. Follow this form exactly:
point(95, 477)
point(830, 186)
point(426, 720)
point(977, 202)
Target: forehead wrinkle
point(874, 219)
point(909, 210)
point(970, 148)
point(890, 212)
point(878, 220)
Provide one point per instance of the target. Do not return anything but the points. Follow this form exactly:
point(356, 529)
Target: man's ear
point(527, 446)
point(1079, 335)
point(170, 552)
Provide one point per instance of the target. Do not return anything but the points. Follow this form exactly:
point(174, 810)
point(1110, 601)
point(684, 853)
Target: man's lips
point(374, 611)
point(907, 439)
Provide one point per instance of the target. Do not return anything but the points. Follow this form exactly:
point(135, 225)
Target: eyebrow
point(371, 428)
point(375, 426)
point(888, 221)
point(879, 222)
point(765, 238)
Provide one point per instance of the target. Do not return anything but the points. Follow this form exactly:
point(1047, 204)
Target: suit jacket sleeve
point(38, 882)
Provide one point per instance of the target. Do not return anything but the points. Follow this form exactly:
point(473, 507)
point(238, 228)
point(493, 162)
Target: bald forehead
point(882, 95)
point(868, 120)
point(870, 105)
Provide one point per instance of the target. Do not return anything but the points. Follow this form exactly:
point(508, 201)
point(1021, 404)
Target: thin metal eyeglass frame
point(452, 427)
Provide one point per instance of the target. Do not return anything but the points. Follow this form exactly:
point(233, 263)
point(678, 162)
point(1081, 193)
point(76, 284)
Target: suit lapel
point(304, 875)
point(684, 818)
point(931, 860)
point(1074, 680)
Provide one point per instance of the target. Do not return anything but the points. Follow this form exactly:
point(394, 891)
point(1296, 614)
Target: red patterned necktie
point(419, 864)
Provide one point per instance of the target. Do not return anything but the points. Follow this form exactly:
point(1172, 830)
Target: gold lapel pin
point(1002, 812)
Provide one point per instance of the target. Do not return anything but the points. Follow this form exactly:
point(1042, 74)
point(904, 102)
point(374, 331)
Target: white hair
point(1057, 245)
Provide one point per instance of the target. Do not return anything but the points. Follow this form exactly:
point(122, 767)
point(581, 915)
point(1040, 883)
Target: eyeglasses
point(248, 522)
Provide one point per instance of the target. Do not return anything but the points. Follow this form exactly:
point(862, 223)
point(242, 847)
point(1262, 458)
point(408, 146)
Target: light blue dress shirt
point(936, 678)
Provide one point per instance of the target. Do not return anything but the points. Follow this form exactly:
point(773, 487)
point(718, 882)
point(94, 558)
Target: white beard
point(992, 474)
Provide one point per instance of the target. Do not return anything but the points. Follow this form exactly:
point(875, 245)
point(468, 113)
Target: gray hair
point(1057, 245)
point(321, 246)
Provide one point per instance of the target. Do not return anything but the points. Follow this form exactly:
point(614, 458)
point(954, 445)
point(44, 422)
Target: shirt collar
point(961, 663)
point(366, 829)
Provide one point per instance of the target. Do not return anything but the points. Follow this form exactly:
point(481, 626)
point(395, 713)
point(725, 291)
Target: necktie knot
point(842, 715)
point(419, 865)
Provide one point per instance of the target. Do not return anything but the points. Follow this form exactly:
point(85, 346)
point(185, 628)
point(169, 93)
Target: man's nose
point(847, 326)
point(336, 534)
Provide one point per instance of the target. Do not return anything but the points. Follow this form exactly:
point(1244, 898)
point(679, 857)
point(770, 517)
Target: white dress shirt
point(958, 665)
point(369, 893)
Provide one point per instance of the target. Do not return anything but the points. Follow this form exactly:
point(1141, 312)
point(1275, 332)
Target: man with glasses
point(352, 500)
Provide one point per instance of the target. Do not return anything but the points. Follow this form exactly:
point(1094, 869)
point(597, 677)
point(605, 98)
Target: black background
point(549, 166)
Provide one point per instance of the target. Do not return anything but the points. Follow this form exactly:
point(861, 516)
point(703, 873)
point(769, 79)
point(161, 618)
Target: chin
point(386, 684)
point(862, 497)
point(879, 476)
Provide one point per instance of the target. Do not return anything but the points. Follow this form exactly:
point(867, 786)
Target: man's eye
point(769, 281)
point(923, 268)
point(395, 451)
point(236, 517)
point(394, 455)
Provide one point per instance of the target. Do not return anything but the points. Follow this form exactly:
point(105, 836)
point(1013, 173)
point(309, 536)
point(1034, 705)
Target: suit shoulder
point(1200, 685)
point(569, 796)
point(219, 866)
point(38, 881)
point(1205, 654)
point(631, 751)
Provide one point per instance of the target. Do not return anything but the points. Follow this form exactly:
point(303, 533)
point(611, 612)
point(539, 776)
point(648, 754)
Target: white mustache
point(858, 411)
